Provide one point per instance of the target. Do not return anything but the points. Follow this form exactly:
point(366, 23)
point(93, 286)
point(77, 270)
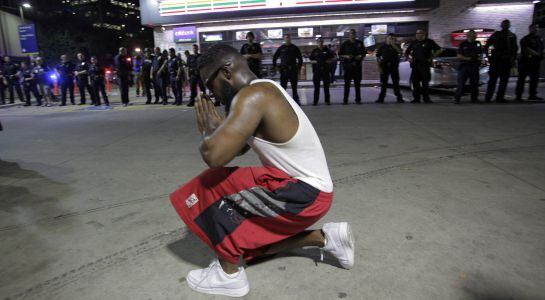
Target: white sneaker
point(340, 243)
point(213, 280)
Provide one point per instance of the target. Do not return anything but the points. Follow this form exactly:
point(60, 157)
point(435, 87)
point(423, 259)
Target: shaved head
point(224, 71)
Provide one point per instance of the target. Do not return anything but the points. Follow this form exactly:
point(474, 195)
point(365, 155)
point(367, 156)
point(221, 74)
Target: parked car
point(444, 71)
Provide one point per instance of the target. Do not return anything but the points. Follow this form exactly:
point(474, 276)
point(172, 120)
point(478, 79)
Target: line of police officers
point(161, 70)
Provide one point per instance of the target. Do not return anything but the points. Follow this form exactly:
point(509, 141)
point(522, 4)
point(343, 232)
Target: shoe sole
point(348, 241)
point(240, 292)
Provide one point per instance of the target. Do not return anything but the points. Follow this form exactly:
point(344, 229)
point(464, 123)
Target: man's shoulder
point(258, 94)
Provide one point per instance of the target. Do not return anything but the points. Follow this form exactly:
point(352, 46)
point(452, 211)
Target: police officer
point(82, 79)
point(28, 81)
point(66, 77)
point(194, 75)
point(146, 75)
point(163, 77)
point(470, 53)
point(253, 54)
point(291, 62)
point(96, 74)
point(12, 80)
point(321, 58)
point(175, 70)
point(420, 54)
point(42, 74)
point(123, 67)
point(157, 63)
point(352, 52)
point(531, 54)
point(502, 58)
point(388, 64)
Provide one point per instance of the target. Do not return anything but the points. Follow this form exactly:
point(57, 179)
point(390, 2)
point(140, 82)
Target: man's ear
point(227, 71)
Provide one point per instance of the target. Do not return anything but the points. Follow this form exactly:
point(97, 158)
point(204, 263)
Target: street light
point(25, 5)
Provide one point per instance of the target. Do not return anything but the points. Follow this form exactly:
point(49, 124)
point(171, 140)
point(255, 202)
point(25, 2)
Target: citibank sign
point(185, 34)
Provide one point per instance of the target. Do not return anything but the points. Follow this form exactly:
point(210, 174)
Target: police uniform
point(321, 71)
point(43, 81)
point(28, 81)
point(469, 69)
point(291, 62)
point(352, 67)
point(388, 61)
point(124, 66)
point(421, 53)
point(194, 77)
point(145, 71)
point(501, 59)
point(82, 81)
point(174, 64)
point(96, 76)
point(253, 63)
point(529, 65)
point(12, 81)
point(66, 78)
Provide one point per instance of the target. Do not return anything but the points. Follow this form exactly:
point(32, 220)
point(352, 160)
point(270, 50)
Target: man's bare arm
point(228, 140)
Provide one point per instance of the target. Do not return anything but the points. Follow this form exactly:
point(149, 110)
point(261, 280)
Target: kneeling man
point(248, 212)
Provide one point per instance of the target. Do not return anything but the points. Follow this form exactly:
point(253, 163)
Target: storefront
point(182, 23)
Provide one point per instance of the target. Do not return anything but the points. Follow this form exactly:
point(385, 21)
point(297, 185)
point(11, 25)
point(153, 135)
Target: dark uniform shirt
point(388, 56)
point(290, 56)
point(254, 48)
point(42, 73)
point(26, 74)
point(173, 65)
point(193, 64)
point(321, 56)
point(422, 51)
point(352, 48)
point(504, 45)
point(534, 42)
point(147, 64)
point(471, 49)
point(10, 70)
point(66, 70)
point(82, 66)
point(96, 72)
point(123, 65)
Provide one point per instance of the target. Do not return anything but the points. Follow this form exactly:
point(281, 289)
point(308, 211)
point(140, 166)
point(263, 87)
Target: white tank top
point(302, 157)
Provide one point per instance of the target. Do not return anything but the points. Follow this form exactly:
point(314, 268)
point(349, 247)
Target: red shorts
point(240, 211)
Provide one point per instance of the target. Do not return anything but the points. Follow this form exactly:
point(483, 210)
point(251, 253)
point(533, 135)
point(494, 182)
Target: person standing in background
point(137, 67)
point(531, 55)
point(503, 54)
point(388, 63)
point(420, 54)
point(66, 76)
point(253, 54)
point(291, 62)
point(123, 67)
point(470, 53)
point(28, 81)
point(82, 79)
point(96, 74)
point(146, 75)
point(320, 58)
point(352, 53)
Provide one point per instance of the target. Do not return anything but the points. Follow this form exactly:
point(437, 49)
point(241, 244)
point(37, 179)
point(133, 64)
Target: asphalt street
point(446, 202)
